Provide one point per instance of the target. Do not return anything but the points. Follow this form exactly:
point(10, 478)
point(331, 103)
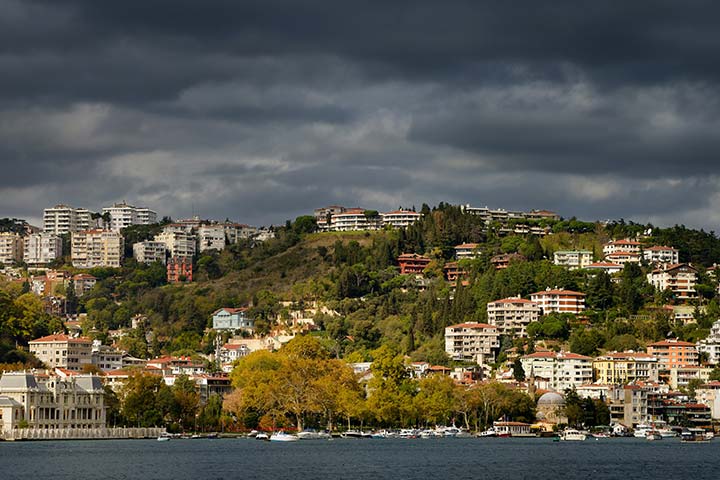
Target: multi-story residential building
point(560, 369)
point(51, 402)
point(105, 357)
point(63, 351)
point(150, 251)
point(96, 248)
point(625, 245)
point(179, 269)
point(559, 301)
point(512, 315)
point(211, 237)
point(711, 344)
point(412, 263)
point(502, 261)
point(622, 258)
point(354, 219)
point(323, 216)
point(679, 278)
point(466, 251)
point(42, 249)
point(62, 219)
point(542, 215)
point(123, 215)
point(400, 218)
point(232, 319)
point(680, 377)
point(661, 254)
point(673, 353)
point(608, 267)
point(178, 241)
point(709, 394)
point(620, 368)
point(83, 283)
point(11, 248)
point(573, 258)
point(472, 342)
point(453, 271)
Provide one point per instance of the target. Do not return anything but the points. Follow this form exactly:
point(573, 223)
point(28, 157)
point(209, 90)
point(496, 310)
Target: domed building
point(551, 408)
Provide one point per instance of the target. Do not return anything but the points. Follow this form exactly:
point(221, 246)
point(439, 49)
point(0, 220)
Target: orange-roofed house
point(512, 315)
point(623, 257)
point(472, 342)
point(620, 368)
point(63, 351)
point(412, 263)
point(559, 301)
point(674, 353)
point(625, 245)
point(561, 369)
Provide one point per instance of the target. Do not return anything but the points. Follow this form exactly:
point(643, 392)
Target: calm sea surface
point(360, 459)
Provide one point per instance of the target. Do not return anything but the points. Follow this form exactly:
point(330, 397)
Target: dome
point(551, 398)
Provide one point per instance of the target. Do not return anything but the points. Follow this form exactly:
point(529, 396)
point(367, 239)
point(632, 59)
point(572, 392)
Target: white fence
point(80, 433)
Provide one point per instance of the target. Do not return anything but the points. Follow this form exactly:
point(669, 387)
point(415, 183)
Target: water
point(360, 459)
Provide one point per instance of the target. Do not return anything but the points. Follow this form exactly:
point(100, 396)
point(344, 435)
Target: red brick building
point(412, 264)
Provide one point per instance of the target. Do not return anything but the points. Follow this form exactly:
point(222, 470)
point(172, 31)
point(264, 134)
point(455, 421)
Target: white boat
point(653, 435)
point(310, 434)
point(262, 436)
point(283, 437)
point(490, 432)
point(570, 434)
point(164, 437)
point(641, 430)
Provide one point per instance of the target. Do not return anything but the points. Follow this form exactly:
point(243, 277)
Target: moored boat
point(572, 435)
point(283, 437)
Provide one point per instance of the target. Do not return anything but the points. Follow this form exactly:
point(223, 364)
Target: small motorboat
point(572, 435)
point(283, 437)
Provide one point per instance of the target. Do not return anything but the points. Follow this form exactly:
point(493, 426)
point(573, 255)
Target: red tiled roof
point(467, 245)
point(604, 264)
point(512, 300)
point(623, 242)
point(669, 343)
point(61, 338)
point(658, 248)
point(402, 212)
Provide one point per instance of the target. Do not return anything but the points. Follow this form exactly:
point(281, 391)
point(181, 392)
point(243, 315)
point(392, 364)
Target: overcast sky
point(260, 111)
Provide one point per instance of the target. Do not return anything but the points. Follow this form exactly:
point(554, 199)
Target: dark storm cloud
point(262, 110)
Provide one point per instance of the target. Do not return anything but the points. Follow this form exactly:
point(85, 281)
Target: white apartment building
point(625, 245)
point(559, 301)
point(96, 248)
point(150, 251)
point(573, 258)
point(711, 344)
point(661, 254)
point(472, 342)
point(466, 251)
point(679, 278)
point(211, 237)
point(179, 242)
point(42, 248)
point(400, 218)
point(51, 402)
point(105, 357)
point(62, 219)
point(622, 257)
point(62, 351)
point(560, 369)
point(123, 215)
point(11, 248)
point(353, 219)
point(512, 315)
